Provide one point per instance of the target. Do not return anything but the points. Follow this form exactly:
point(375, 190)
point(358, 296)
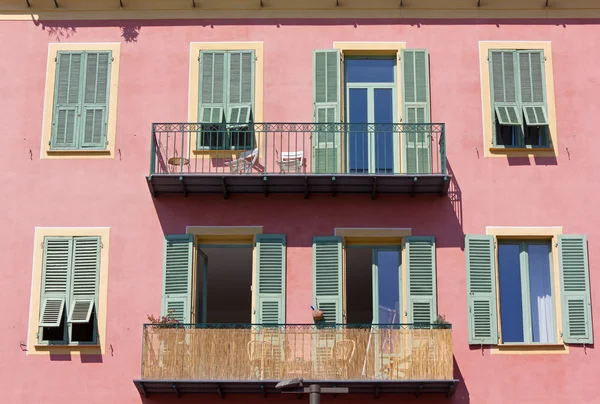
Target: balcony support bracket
point(333, 186)
point(183, 186)
point(176, 390)
point(419, 390)
point(264, 391)
point(266, 181)
point(224, 186)
point(374, 188)
point(151, 186)
point(414, 186)
point(451, 388)
point(220, 392)
point(376, 393)
point(444, 187)
point(305, 187)
point(143, 389)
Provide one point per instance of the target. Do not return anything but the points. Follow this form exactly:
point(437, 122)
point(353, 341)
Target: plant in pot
point(440, 322)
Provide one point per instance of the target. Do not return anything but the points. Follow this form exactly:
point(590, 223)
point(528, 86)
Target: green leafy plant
point(163, 321)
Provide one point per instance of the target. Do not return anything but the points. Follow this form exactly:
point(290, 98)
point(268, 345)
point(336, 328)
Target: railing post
point(443, 148)
point(152, 151)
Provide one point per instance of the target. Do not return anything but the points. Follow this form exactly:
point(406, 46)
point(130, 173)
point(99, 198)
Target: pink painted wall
point(154, 88)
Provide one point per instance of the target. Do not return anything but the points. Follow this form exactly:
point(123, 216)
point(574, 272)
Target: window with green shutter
point(81, 92)
point(270, 268)
point(69, 290)
point(226, 100)
point(523, 285)
point(519, 107)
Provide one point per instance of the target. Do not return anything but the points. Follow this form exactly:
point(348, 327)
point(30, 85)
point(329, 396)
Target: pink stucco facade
point(154, 75)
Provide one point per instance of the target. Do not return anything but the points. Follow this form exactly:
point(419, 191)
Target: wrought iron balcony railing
point(399, 352)
point(298, 148)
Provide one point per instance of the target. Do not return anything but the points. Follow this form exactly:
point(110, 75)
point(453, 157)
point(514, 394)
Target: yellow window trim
point(486, 99)
point(193, 99)
point(109, 152)
point(34, 347)
point(225, 235)
point(528, 233)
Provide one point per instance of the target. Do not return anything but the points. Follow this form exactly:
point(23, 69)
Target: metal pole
point(315, 393)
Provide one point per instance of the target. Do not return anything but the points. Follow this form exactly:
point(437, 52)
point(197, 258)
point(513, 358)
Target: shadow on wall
point(58, 31)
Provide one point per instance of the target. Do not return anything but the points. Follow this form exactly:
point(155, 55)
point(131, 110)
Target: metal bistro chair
point(260, 355)
point(244, 162)
point(291, 162)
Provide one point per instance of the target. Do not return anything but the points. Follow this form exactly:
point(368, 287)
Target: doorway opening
point(373, 285)
point(224, 284)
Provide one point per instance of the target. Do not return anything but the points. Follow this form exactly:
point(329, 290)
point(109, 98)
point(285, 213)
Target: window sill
point(66, 349)
point(81, 153)
point(523, 151)
point(525, 349)
point(50, 346)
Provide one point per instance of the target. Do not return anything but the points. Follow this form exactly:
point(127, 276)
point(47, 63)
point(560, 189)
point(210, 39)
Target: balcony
point(302, 158)
point(223, 359)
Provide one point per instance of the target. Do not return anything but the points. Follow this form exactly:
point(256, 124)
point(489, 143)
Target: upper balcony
point(222, 359)
point(304, 158)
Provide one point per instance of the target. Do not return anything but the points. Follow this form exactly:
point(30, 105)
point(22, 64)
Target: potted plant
point(440, 322)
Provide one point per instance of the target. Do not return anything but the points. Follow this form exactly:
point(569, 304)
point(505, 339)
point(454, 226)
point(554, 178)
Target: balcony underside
point(307, 184)
point(267, 387)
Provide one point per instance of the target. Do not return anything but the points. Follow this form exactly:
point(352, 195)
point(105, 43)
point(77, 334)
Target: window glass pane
point(506, 135)
point(540, 293)
point(370, 70)
point(511, 301)
point(358, 138)
point(535, 136)
point(388, 286)
point(384, 141)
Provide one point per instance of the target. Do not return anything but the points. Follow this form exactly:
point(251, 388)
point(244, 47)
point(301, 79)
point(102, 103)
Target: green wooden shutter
point(533, 87)
point(420, 268)
point(481, 289)
point(212, 97)
point(416, 109)
point(327, 277)
point(67, 96)
point(326, 156)
point(55, 278)
point(177, 277)
point(575, 289)
point(505, 99)
point(240, 89)
point(270, 267)
point(95, 100)
point(84, 281)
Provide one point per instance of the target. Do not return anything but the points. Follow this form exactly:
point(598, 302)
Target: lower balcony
point(221, 359)
point(303, 158)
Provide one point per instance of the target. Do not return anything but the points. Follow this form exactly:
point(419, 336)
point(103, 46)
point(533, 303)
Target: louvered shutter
point(327, 278)
point(270, 265)
point(211, 108)
point(84, 280)
point(177, 277)
point(481, 289)
point(505, 100)
point(416, 109)
point(67, 97)
point(575, 289)
point(240, 89)
point(94, 111)
point(533, 87)
point(420, 268)
point(55, 275)
point(326, 158)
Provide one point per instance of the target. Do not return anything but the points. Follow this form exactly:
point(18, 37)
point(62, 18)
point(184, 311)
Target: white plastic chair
point(244, 162)
point(291, 162)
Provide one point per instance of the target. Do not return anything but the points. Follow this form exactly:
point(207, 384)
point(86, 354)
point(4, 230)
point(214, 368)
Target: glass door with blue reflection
point(371, 100)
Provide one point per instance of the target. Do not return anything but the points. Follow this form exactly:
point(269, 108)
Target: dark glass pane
point(84, 332)
point(384, 141)
point(358, 137)
point(54, 333)
point(506, 135)
point(536, 136)
point(214, 137)
point(242, 138)
point(370, 70)
point(511, 301)
point(540, 293)
point(388, 286)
